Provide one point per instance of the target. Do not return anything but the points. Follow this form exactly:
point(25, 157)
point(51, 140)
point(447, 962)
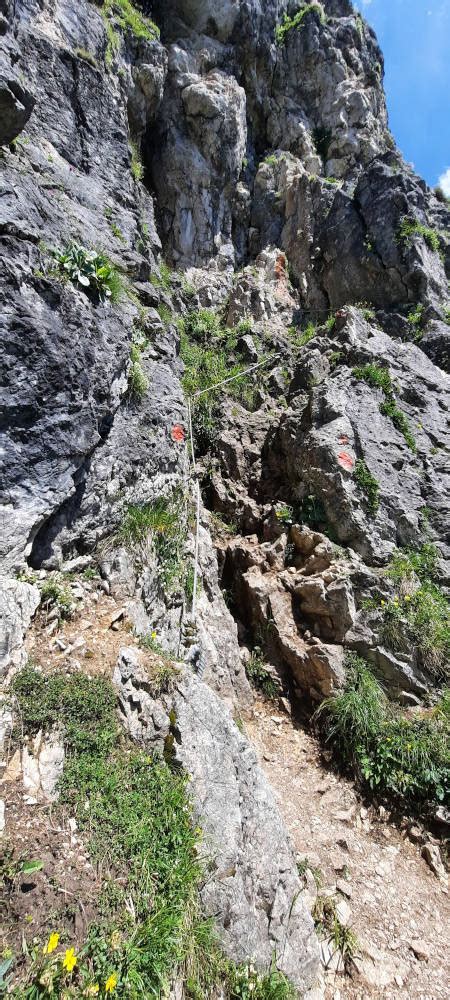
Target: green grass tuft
point(411, 228)
point(405, 759)
point(137, 166)
point(369, 486)
point(380, 378)
point(296, 22)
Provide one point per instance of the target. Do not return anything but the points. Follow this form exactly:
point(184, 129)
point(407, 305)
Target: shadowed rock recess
point(231, 164)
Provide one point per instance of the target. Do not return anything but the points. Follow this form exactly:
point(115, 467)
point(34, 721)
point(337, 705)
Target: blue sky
point(415, 38)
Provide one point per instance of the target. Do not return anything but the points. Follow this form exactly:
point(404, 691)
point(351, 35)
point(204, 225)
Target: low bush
point(390, 409)
point(91, 270)
point(415, 320)
point(328, 925)
point(405, 759)
point(160, 526)
point(375, 376)
point(259, 676)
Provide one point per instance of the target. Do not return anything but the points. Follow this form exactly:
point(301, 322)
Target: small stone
point(2, 816)
point(420, 949)
point(431, 854)
point(117, 617)
point(344, 888)
point(344, 912)
point(398, 980)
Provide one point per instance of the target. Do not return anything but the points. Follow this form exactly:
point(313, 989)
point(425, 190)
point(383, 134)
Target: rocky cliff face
point(244, 143)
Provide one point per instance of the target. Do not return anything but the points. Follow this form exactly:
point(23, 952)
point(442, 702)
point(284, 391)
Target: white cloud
point(444, 182)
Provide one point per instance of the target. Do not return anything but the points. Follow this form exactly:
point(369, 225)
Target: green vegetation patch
point(135, 816)
point(209, 352)
point(369, 486)
point(161, 526)
point(259, 676)
point(90, 270)
point(137, 379)
point(124, 15)
point(406, 759)
point(418, 614)
point(380, 378)
point(137, 166)
point(296, 22)
point(411, 228)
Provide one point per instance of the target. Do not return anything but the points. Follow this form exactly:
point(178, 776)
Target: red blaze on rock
point(177, 433)
point(346, 460)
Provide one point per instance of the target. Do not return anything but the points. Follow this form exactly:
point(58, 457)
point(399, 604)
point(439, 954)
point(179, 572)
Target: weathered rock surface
point(18, 603)
point(253, 888)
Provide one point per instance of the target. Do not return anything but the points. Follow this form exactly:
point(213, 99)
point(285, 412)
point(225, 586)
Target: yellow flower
point(52, 943)
point(154, 634)
point(111, 983)
point(407, 597)
point(70, 960)
point(383, 603)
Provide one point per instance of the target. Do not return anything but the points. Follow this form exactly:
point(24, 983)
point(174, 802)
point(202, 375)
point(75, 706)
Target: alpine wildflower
point(154, 634)
point(52, 943)
point(111, 983)
point(70, 960)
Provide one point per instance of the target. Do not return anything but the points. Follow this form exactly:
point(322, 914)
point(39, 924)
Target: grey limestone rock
point(18, 603)
point(253, 888)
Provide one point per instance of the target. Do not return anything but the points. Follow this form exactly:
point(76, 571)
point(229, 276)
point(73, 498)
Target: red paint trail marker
point(346, 461)
point(177, 433)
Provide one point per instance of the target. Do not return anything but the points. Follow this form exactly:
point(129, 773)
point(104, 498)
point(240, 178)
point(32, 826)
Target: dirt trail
point(399, 910)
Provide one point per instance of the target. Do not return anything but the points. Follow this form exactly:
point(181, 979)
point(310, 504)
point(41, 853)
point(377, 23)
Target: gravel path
point(397, 908)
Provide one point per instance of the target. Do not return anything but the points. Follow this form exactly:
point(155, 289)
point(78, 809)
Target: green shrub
point(246, 983)
point(328, 924)
point(259, 676)
point(405, 759)
point(296, 22)
point(164, 278)
point(87, 56)
point(91, 270)
point(417, 615)
point(54, 594)
point(369, 486)
point(411, 228)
